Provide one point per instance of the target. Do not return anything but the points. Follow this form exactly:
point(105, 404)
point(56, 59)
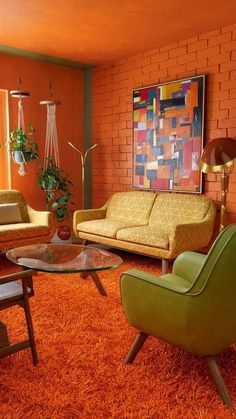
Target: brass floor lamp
point(218, 156)
point(83, 158)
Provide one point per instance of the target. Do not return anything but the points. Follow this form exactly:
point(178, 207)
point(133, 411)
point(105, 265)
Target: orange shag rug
point(82, 339)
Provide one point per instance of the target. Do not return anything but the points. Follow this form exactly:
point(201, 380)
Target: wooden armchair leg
point(135, 348)
point(84, 242)
point(218, 380)
point(29, 324)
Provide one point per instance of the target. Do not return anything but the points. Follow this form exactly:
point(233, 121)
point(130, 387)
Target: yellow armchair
point(20, 224)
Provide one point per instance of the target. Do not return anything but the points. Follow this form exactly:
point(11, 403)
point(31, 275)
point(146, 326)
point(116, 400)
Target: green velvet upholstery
point(195, 306)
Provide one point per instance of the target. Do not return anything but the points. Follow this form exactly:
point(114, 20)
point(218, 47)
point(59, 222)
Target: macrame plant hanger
point(20, 94)
point(51, 141)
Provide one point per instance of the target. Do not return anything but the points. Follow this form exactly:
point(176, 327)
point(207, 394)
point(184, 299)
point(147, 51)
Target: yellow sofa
point(20, 224)
point(159, 225)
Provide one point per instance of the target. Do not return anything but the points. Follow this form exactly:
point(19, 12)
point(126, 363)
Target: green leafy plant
point(20, 140)
point(54, 181)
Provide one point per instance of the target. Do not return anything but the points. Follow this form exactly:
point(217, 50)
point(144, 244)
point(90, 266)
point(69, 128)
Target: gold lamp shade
point(218, 155)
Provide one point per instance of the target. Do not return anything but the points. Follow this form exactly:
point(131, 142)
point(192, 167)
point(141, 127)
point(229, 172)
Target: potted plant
point(22, 146)
point(55, 183)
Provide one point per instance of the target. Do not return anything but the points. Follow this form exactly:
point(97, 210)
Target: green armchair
point(193, 308)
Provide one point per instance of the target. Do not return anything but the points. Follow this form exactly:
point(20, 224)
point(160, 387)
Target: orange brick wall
point(212, 54)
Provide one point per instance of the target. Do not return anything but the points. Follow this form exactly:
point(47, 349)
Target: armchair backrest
point(219, 267)
point(10, 196)
point(214, 290)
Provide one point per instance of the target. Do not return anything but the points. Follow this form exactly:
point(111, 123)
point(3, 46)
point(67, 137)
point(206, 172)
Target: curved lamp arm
point(83, 158)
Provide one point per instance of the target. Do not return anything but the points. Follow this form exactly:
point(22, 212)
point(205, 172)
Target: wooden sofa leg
point(218, 380)
point(84, 242)
point(135, 348)
point(164, 266)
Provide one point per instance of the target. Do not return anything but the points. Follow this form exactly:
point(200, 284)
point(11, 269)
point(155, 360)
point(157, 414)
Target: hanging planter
point(22, 148)
point(52, 179)
point(21, 156)
point(49, 177)
point(49, 185)
point(55, 183)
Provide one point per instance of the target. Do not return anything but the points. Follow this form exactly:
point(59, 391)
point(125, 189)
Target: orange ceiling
point(100, 31)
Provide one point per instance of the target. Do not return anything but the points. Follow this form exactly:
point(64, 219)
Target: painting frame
point(167, 141)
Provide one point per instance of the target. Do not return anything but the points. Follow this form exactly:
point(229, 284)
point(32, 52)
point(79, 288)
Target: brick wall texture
point(212, 54)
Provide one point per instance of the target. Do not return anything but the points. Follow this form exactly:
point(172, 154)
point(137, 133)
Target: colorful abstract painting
point(168, 135)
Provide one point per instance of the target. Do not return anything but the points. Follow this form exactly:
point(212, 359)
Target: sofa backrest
point(132, 206)
point(10, 196)
point(175, 208)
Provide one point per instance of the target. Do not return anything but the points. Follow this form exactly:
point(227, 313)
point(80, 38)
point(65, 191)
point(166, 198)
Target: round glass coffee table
point(66, 258)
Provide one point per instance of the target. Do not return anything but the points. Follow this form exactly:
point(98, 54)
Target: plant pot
point(21, 156)
point(63, 232)
point(50, 188)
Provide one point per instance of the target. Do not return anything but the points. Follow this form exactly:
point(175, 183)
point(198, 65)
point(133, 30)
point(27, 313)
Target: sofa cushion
point(11, 232)
point(145, 235)
point(172, 209)
point(10, 213)
point(132, 207)
point(104, 227)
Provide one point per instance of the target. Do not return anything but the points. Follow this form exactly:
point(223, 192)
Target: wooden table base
point(96, 281)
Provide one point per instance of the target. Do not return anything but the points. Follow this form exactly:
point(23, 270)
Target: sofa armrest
point(45, 218)
point(87, 215)
point(191, 236)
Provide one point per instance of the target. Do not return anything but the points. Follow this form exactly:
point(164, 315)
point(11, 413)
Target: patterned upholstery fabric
point(129, 246)
point(11, 232)
point(170, 224)
point(146, 235)
point(178, 209)
point(36, 226)
point(132, 207)
point(87, 215)
point(105, 227)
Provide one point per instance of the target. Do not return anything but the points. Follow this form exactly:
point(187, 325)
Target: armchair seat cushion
point(9, 232)
point(145, 235)
point(105, 227)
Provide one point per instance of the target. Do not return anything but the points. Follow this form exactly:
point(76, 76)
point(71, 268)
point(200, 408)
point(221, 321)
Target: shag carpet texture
point(82, 339)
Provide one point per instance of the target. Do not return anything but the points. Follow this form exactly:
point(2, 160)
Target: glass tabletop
point(63, 258)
